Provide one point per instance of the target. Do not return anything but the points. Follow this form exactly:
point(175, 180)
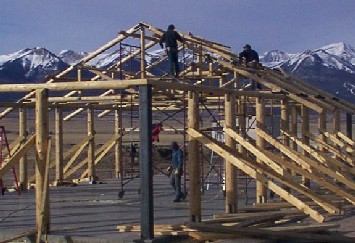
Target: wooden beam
point(42, 139)
point(84, 85)
point(331, 149)
point(261, 190)
point(99, 154)
point(58, 145)
point(341, 145)
point(91, 145)
point(15, 157)
point(297, 157)
point(283, 177)
point(305, 140)
point(346, 139)
point(242, 164)
point(231, 172)
point(22, 120)
point(194, 160)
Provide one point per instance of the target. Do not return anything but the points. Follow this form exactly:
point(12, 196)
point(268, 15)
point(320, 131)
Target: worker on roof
point(249, 56)
point(251, 59)
point(170, 38)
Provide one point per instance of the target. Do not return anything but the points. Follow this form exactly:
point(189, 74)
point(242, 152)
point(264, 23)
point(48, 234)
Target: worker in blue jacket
point(176, 171)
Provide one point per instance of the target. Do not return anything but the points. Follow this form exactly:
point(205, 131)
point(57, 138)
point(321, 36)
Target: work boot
point(177, 200)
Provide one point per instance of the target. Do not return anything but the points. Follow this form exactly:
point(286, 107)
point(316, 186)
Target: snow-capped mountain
point(29, 65)
point(331, 67)
point(71, 57)
point(275, 57)
point(341, 50)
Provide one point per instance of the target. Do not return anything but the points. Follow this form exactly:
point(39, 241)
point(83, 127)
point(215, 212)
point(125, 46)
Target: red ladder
point(4, 141)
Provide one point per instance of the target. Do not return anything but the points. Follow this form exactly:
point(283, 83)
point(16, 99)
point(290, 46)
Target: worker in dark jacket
point(249, 56)
point(170, 38)
point(251, 59)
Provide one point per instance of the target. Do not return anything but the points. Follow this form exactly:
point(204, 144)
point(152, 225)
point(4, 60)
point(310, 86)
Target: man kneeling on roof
point(251, 59)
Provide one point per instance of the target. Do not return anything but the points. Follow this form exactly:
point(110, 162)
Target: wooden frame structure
point(321, 158)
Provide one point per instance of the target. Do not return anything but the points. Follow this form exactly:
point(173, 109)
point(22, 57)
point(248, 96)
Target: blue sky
point(85, 25)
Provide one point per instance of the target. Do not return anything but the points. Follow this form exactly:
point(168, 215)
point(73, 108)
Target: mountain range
point(331, 67)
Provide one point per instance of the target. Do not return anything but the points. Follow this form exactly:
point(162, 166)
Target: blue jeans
point(175, 182)
point(173, 61)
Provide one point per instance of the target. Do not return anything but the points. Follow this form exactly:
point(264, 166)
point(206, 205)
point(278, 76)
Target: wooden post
point(91, 147)
point(305, 139)
point(293, 126)
point(42, 131)
point(349, 125)
point(285, 122)
point(58, 146)
point(194, 160)
point(237, 82)
point(23, 179)
point(261, 190)
point(336, 121)
point(142, 42)
point(118, 145)
point(242, 126)
point(322, 127)
point(285, 126)
point(231, 171)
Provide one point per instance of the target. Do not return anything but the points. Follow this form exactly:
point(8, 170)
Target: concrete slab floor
point(95, 210)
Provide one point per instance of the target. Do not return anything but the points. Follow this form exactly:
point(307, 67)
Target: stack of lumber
point(274, 224)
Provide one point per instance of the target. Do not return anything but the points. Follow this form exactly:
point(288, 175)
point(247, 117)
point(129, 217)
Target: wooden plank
point(64, 86)
point(201, 236)
point(20, 235)
point(303, 228)
point(236, 217)
point(343, 168)
point(272, 86)
point(267, 234)
point(312, 91)
point(84, 161)
point(339, 103)
point(98, 156)
point(316, 177)
point(286, 178)
point(8, 163)
point(242, 164)
point(82, 146)
point(330, 148)
point(297, 157)
point(346, 139)
point(338, 142)
point(255, 150)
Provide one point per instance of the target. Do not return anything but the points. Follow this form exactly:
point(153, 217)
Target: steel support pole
point(145, 160)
